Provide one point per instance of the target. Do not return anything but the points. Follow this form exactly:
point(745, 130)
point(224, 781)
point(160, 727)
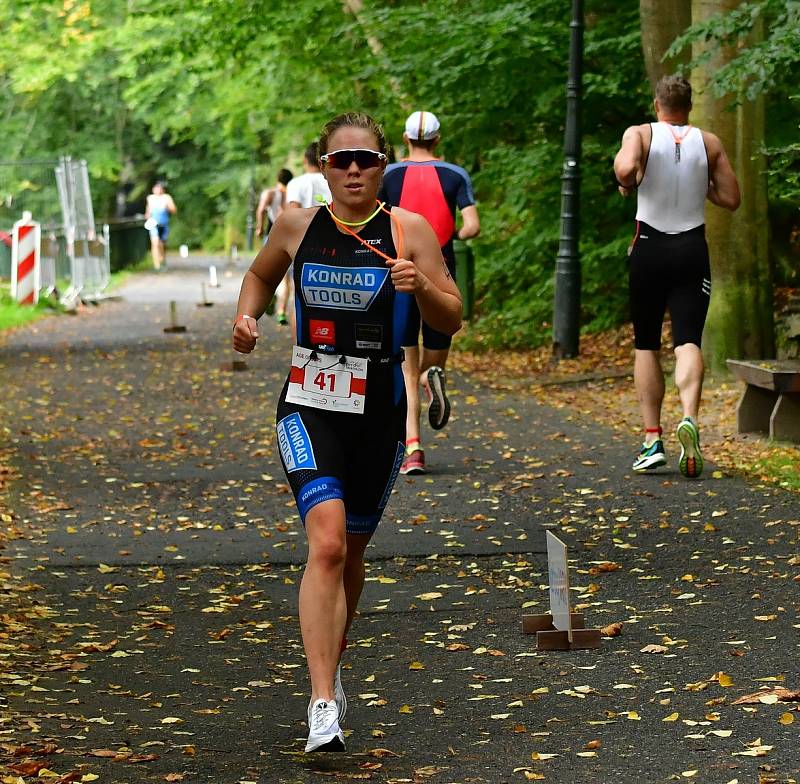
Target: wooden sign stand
point(174, 327)
point(560, 629)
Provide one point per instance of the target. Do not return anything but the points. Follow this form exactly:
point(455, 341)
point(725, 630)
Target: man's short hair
point(312, 153)
point(284, 176)
point(674, 92)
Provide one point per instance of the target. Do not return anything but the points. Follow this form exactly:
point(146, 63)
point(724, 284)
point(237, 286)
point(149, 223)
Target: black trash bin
point(130, 243)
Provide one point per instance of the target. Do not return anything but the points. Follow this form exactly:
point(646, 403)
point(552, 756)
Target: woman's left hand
point(406, 278)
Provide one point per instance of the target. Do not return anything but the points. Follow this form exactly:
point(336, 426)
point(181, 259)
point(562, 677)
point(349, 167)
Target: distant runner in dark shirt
point(433, 188)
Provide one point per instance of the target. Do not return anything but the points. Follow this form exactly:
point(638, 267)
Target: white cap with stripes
point(422, 125)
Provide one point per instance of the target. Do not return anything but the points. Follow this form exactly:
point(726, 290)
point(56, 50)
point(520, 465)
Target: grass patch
point(13, 314)
point(778, 467)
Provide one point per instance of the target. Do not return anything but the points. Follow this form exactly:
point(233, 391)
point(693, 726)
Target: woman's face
point(353, 187)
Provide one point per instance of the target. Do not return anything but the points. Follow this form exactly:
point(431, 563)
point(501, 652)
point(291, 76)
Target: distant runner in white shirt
point(675, 168)
point(310, 189)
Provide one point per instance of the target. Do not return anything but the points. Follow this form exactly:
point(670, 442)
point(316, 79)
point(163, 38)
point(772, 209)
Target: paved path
point(167, 551)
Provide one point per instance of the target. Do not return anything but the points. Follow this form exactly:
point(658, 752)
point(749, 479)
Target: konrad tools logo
point(341, 287)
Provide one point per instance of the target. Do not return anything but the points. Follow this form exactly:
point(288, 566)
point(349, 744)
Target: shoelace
point(321, 718)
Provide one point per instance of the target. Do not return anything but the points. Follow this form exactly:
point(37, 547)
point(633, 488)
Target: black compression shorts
point(352, 457)
point(669, 271)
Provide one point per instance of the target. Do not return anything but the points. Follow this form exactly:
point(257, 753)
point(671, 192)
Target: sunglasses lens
point(365, 159)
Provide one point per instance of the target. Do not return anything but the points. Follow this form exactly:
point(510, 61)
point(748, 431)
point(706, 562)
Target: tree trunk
point(741, 316)
point(662, 22)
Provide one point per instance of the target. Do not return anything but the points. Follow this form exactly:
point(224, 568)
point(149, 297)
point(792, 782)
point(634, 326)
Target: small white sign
point(558, 578)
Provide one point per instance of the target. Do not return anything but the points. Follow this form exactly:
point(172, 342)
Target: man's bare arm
point(628, 162)
point(260, 210)
point(723, 187)
point(471, 224)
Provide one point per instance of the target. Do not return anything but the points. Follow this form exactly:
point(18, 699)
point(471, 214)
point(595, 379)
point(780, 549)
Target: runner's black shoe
point(438, 405)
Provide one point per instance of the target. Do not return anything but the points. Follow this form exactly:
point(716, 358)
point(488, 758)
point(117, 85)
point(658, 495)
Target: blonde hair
point(353, 120)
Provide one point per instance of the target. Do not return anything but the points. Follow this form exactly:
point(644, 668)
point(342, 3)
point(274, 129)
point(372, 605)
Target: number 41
point(320, 381)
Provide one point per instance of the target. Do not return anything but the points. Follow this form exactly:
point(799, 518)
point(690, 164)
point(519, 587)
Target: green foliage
point(765, 35)
point(216, 95)
point(759, 65)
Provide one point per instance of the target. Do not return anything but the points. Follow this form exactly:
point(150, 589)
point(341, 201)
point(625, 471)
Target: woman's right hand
point(245, 334)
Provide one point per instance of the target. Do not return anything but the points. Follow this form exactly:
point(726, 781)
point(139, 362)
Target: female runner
point(341, 414)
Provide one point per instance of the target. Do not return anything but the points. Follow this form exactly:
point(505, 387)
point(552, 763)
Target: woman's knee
point(327, 541)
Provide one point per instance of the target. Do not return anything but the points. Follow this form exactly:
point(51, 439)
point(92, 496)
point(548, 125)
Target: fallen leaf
point(779, 693)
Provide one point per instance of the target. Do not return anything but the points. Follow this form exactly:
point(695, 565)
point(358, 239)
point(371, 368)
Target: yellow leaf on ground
point(405, 709)
point(724, 679)
point(786, 718)
point(416, 666)
point(427, 597)
point(672, 717)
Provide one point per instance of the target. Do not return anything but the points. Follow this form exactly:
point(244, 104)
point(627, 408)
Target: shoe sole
point(691, 462)
point(329, 743)
point(412, 471)
point(439, 407)
point(649, 463)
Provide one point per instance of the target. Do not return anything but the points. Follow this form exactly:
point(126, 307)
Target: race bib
point(332, 382)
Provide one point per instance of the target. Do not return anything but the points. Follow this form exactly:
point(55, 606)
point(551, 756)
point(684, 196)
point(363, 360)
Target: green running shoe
point(651, 456)
point(691, 462)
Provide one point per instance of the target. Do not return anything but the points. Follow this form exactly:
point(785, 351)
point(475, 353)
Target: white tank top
point(672, 194)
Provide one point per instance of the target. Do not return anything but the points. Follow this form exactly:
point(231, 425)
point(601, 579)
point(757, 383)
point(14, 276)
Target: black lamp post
point(567, 301)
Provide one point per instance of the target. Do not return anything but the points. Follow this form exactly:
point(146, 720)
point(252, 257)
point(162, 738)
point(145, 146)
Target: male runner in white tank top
point(675, 168)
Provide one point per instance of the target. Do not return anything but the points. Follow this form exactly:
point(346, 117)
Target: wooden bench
point(771, 399)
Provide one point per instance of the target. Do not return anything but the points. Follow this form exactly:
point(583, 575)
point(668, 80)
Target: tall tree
point(741, 316)
point(662, 22)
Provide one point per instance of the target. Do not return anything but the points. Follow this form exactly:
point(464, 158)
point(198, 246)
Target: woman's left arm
point(422, 272)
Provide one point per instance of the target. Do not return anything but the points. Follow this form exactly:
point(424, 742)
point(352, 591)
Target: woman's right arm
point(264, 275)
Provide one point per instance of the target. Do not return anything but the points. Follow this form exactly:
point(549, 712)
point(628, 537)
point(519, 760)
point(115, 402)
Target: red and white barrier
point(25, 268)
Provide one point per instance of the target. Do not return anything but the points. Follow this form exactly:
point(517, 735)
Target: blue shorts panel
point(160, 233)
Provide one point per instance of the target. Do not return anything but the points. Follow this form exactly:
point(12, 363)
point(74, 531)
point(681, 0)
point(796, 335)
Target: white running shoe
point(324, 732)
point(339, 696)
point(341, 700)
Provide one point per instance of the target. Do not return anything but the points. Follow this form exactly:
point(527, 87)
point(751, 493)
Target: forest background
point(217, 95)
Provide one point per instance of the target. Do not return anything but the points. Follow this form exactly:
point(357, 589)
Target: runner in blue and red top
point(435, 189)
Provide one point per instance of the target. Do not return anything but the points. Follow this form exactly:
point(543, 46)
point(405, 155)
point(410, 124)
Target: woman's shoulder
point(407, 218)
point(296, 219)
